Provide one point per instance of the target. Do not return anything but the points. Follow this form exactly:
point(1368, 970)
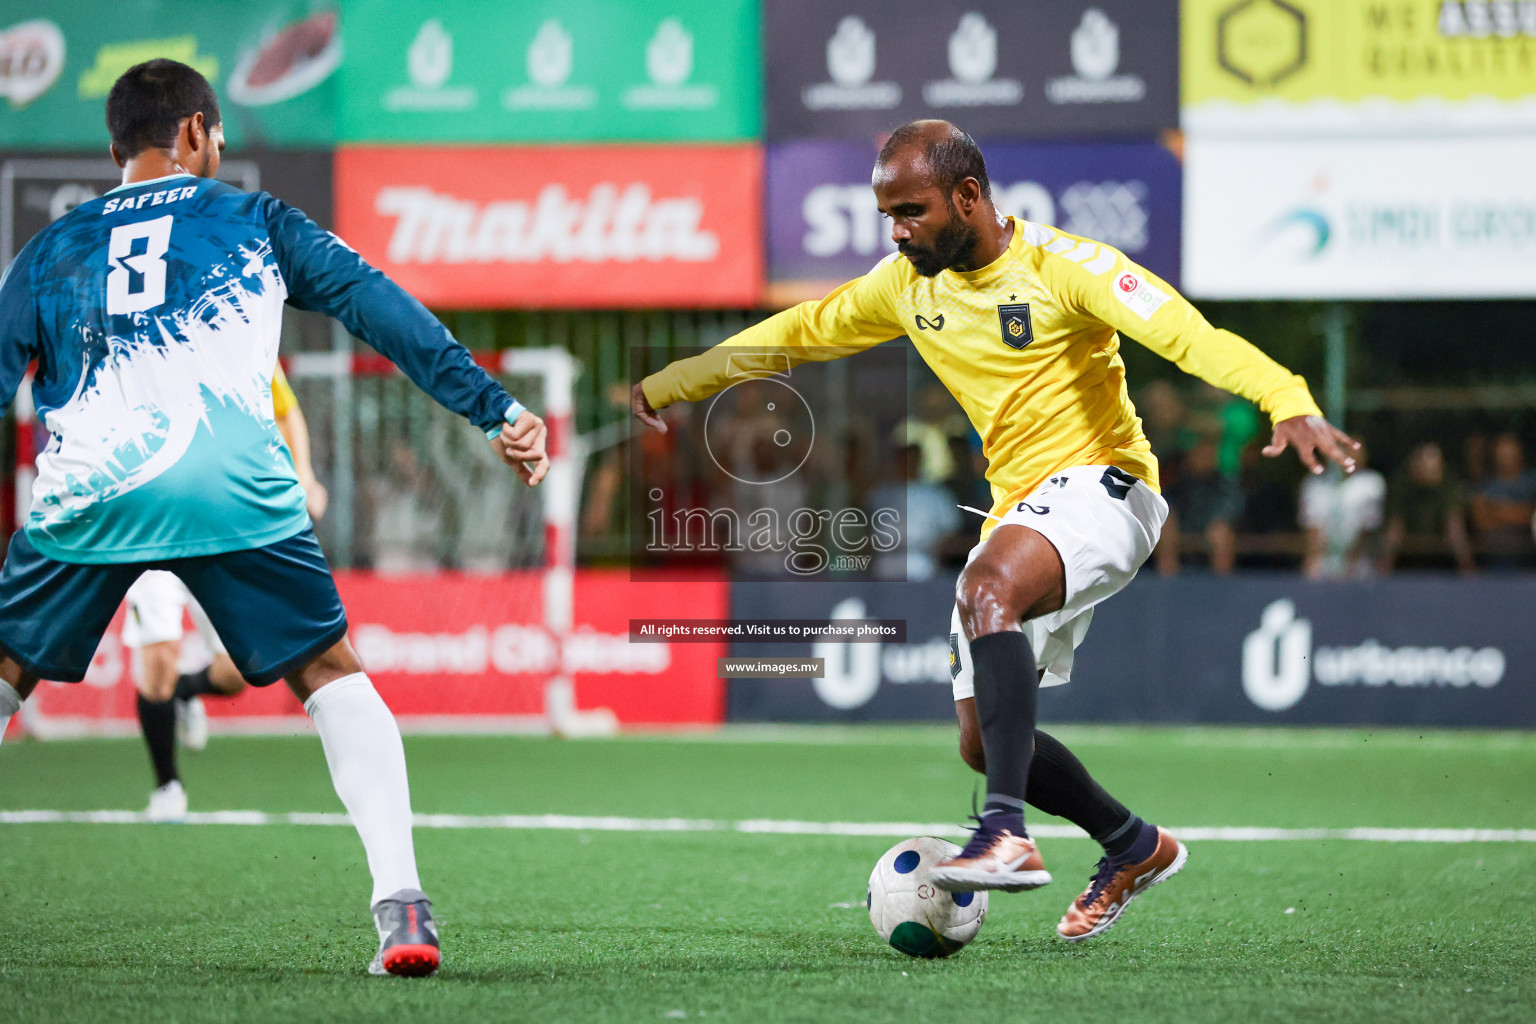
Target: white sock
point(367, 761)
point(10, 703)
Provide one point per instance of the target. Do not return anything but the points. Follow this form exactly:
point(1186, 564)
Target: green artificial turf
point(268, 923)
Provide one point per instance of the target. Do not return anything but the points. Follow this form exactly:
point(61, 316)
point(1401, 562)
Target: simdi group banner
point(558, 227)
point(472, 649)
point(1360, 219)
point(858, 68)
point(1346, 67)
point(469, 71)
point(824, 225)
point(273, 63)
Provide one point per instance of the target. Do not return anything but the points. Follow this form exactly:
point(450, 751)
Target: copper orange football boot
point(995, 858)
point(1112, 889)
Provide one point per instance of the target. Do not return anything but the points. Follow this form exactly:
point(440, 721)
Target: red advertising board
point(469, 648)
point(558, 226)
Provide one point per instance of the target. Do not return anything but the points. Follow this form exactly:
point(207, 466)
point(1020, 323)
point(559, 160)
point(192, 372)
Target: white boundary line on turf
point(768, 826)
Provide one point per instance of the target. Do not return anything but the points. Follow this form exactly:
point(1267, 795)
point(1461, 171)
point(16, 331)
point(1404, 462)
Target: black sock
point(158, 720)
point(1060, 785)
point(1006, 686)
point(193, 684)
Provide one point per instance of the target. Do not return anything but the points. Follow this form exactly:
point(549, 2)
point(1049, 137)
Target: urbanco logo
point(851, 65)
point(550, 61)
point(668, 64)
point(854, 671)
point(972, 63)
point(429, 64)
point(1095, 51)
point(1279, 662)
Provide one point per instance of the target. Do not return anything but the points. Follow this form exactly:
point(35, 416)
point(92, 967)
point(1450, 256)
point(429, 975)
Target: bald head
point(937, 150)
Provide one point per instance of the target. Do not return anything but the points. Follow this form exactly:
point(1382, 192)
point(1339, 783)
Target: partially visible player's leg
point(278, 611)
point(1015, 575)
point(152, 629)
point(15, 686)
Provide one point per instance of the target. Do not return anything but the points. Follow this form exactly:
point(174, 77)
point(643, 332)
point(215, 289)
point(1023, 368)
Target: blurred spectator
point(1425, 516)
point(937, 419)
point(1164, 420)
point(1202, 502)
point(1231, 421)
point(1503, 506)
point(929, 516)
point(1342, 515)
point(967, 486)
point(407, 527)
point(1474, 459)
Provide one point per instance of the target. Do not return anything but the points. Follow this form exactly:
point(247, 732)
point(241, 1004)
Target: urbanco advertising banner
point(272, 63)
point(862, 680)
point(1256, 650)
point(551, 70)
point(858, 68)
point(824, 226)
point(1346, 67)
point(462, 650)
point(38, 188)
point(558, 227)
point(1365, 219)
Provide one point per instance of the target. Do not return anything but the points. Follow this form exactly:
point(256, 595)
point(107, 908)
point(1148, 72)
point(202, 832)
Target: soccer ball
point(914, 915)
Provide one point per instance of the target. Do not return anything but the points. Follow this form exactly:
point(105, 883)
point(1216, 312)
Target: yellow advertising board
point(1252, 65)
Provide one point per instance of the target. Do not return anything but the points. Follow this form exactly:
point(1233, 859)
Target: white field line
point(768, 826)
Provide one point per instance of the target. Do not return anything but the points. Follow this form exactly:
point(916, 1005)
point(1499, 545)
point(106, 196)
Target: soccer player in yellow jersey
point(1021, 322)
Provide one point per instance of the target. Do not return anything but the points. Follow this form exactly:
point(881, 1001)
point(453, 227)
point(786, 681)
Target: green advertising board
point(551, 70)
point(272, 62)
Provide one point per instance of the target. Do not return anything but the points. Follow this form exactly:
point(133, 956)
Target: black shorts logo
point(954, 655)
point(1117, 482)
point(1013, 318)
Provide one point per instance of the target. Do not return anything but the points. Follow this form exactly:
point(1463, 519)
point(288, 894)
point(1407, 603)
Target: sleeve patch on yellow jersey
point(1138, 295)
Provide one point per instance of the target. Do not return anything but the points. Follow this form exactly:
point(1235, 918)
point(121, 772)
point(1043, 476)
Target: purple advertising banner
point(824, 226)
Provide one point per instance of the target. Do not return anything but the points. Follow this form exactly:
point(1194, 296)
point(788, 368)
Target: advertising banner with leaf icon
point(858, 68)
point(602, 70)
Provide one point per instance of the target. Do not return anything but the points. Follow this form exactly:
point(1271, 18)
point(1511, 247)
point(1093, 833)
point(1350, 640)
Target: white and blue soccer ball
point(913, 914)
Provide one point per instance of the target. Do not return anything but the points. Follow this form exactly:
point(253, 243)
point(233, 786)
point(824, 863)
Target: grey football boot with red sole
point(407, 935)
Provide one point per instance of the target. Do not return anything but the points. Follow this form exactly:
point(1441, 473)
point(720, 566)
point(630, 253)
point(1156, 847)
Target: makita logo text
point(608, 224)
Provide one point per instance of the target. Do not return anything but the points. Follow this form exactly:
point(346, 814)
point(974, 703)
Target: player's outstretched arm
point(1312, 436)
point(521, 446)
point(323, 274)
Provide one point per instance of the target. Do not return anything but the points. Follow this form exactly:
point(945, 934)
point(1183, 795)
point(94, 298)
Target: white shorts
point(155, 603)
point(1104, 523)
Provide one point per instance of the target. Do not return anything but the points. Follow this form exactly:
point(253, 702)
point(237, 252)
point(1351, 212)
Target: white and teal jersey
point(154, 315)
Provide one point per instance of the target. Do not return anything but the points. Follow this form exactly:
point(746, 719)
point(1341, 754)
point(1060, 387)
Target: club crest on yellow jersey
point(1013, 318)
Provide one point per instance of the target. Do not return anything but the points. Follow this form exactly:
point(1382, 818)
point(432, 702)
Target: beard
point(955, 243)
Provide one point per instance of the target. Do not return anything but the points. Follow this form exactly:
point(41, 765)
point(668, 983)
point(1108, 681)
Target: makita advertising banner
point(558, 227)
point(37, 189)
point(824, 226)
point(858, 68)
point(1360, 218)
point(1259, 650)
point(272, 62)
point(455, 651)
point(550, 70)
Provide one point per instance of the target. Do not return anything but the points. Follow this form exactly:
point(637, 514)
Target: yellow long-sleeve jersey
point(1028, 345)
